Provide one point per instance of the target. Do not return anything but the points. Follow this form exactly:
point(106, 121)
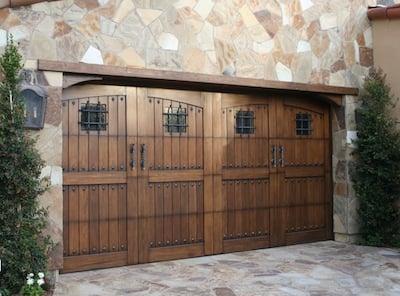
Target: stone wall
point(49, 144)
point(345, 203)
point(313, 41)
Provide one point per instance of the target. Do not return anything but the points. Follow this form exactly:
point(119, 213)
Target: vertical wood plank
point(208, 165)
point(113, 217)
point(94, 219)
point(73, 218)
point(122, 214)
point(103, 219)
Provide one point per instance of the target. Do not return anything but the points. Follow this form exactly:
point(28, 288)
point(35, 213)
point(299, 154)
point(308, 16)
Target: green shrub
point(23, 248)
point(376, 174)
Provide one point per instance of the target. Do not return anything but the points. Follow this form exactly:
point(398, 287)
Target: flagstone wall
point(314, 41)
point(310, 41)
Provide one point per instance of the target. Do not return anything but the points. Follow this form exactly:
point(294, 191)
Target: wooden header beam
point(193, 81)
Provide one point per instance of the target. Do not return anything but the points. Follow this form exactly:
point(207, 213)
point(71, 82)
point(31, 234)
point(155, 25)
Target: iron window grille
point(245, 122)
point(93, 116)
point(175, 119)
point(303, 124)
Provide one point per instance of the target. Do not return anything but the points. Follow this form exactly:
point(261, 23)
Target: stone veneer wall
point(310, 41)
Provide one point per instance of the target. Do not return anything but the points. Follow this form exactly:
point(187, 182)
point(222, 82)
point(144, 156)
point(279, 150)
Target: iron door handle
point(274, 156)
point(133, 156)
point(282, 157)
point(143, 156)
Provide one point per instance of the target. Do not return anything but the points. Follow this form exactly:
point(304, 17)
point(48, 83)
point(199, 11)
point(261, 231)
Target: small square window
point(245, 122)
point(175, 119)
point(93, 116)
point(303, 124)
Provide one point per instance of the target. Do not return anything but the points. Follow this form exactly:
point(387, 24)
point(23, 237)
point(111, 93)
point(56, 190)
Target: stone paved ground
point(325, 268)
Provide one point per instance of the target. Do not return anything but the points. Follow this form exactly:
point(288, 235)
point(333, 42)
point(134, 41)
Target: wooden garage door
point(170, 138)
point(96, 201)
point(153, 174)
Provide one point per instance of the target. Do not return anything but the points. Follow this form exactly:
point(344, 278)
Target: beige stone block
point(54, 78)
point(264, 47)
point(148, 15)
point(74, 15)
point(42, 47)
point(283, 72)
point(205, 38)
point(46, 26)
point(168, 41)
point(31, 64)
point(258, 33)
point(248, 17)
point(184, 3)
point(203, 8)
point(132, 58)
point(328, 21)
point(123, 10)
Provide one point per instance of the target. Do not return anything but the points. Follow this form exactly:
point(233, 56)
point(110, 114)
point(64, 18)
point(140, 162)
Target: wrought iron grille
point(303, 124)
point(93, 116)
point(175, 119)
point(245, 122)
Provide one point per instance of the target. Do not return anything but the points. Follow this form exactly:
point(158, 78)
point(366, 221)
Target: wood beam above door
point(194, 81)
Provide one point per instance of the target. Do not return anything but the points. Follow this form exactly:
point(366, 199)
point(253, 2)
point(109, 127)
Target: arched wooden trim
point(72, 79)
point(192, 81)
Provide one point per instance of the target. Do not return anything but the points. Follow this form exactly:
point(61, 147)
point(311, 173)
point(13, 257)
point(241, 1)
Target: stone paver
point(325, 268)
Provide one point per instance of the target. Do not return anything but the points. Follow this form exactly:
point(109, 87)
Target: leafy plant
point(23, 248)
point(376, 174)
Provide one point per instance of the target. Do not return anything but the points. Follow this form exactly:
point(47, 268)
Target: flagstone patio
point(325, 268)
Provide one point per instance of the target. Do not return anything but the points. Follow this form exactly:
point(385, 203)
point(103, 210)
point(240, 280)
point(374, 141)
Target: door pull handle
point(274, 156)
point(143, 156)
point(282, 156)
point(133, 156)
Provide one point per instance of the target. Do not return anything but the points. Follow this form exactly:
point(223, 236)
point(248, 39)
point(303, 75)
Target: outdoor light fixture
point(35, 106)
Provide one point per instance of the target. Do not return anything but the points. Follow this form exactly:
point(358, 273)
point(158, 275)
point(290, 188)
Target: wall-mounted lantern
point(35, 106)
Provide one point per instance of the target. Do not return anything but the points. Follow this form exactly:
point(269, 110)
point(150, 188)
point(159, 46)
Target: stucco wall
point(311, 41)
point(386, 35)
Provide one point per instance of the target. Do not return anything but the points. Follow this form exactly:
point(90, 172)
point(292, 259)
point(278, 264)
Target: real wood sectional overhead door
point(170, 183)
point(156, 174)
point(246, 188)
point(95, 178)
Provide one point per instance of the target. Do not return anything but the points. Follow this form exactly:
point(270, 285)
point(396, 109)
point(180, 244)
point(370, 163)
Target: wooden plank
point(185, 213)
point(94, 261)
point(208, 205)
point(122, 214)
point(176, 212)
point(194, 80)
point(94, 219)
point(167, 213)
point(66, 220)
point(83, 220)
point(176, 252)
point(94, 178)
point(73, 220)
point(113, 216)
point(193, 211)
point(246, 244)
point(245, 173)
point(173, 175)
point(104, 220)
point(103, 142)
